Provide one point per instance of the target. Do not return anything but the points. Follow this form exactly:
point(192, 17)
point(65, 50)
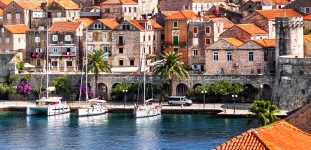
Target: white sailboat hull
point(49, 110)
point(92, 111)
point(145, 111)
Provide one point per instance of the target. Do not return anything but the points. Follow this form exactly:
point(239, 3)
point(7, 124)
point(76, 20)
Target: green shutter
point(175, 40)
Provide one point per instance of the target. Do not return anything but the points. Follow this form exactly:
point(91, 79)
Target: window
point(55, 50)
point(175, 24)
point(130, 9)
point(7, 40)
point(250, 56)
point(131, 62)
point(175, 50)
point(195, 52)
point(125, 9)
point(207, 41)
point(37, 39)
point(67, 37)
point(54, 38)
point(207, 30)
point(154, 37)
point(307, 10)
point(69, 63)
point(58, 14)
point(266, 54)
point(104, 35)
point(2, 30)
point(38, 63)
point(38, 50)
point(121, 42)
point(195, 41)
point(121, 62)
point(134, 9)
point(229, 56)
point(121, 50)
point(195, 30)
point(54, 63)
point(17, 16)
point(175, 40)
point(89, 36)
point(105, 49)
point(0, 39)
point(107, 10)
point(149, 38)
point(97, 26)
point(144, 38)
point(215, 56)
point(8, 16)
point(41, 28)
point(258, 71)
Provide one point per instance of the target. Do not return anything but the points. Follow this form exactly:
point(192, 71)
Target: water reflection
point(93, 120)
point(147, 132)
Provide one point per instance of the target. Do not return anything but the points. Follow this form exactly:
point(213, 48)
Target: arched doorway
point(181, 89)
point(266, 92)
point(196, 97)
point(102, 91)
point(115, 96)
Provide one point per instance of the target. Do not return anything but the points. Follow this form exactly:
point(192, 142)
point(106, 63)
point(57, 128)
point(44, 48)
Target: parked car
point(179, 100)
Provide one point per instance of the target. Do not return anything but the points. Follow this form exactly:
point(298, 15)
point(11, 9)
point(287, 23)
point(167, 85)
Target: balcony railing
point(62, 54)
point(121, 43)
point(36, 55)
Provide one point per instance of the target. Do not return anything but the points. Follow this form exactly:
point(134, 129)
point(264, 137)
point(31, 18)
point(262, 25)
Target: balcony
point(62, 54)
point(36, 55)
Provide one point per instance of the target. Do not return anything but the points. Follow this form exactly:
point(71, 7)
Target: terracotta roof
point(279, 136)
point(86, 21)
point(251, 28)
point(28, 4)
point(307, 17)
point(17, 29)
point(272, 14)
point(136, 24)
point(1, 12)
point(64, 26)
point(275, 2)
point(210, 16)
point(307, 37)
point(227, 23)
point(265, 42)
point(168, 13)
point(111, 23)
point(111, 2)
point(67, 4)
point(128, 2)
point(6, 2)
point(234, 41)
point(184, 14)
point(153, 23)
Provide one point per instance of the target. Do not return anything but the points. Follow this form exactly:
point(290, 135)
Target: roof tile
point(184, 14)
point(65, 26)
point(272, 14)
point(17, 29)
point(307, 17)
point(234, 41)
point(266, 43)
point(111, 23)
point(67, 4)
point(307, 37)
point(251, 28)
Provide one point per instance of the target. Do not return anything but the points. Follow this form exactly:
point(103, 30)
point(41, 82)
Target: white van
point(179, 100)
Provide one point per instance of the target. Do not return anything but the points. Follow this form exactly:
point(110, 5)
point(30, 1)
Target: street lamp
point(234, 97)
point(124, 91)
point(204, 92)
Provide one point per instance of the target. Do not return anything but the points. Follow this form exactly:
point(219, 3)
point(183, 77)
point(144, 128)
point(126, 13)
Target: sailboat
point(48, 105)
point(94, 106)
point(146, 109)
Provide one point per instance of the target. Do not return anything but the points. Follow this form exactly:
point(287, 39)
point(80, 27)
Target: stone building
point(265, 19)
point(230, 56)
point(64, 41)
point(176, 37)
point(13, 37)
point(131, 40)
point(63, 10)
point(99, 35)
point(307, 22)
point(229, 11)
point(245, 32)
point(201, 33)
point(175, 5)
point(226, 23)
point(307, 46)
point(301, 6)
point(204, 5)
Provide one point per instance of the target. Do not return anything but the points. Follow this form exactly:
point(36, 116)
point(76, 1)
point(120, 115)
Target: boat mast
point(144, 61)
point(86, 52)
point(47, 62)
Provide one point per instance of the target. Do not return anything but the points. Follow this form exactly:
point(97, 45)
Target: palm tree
point(97, 63)
point(170, 66)
point(265, 112)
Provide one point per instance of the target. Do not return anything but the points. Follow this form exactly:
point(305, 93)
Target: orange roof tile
point(1, 12)
point(17, 29)
point(86, 21)
point(155, 25)
point(6, 2)
point(307, 37)
point(265, 42)
point(184, 14)
point(111, 23)
point(112, 2)
point(128, 2)
point(136, 24)
point(67, 4)
point(307, 17)
point(210, 16)
point(272, 14)
point(65, 26)
point(27, 4)
point(279, 136)
point(168, 13)
point(204, 1)
point(251, 28)
point(234, 41)
point(275, 2)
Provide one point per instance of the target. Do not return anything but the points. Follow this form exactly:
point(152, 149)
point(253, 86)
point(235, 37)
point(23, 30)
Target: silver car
point(179, 100)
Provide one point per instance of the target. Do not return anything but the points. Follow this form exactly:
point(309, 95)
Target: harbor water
point(117, 131)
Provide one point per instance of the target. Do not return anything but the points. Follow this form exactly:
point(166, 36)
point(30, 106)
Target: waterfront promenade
point(221, 109)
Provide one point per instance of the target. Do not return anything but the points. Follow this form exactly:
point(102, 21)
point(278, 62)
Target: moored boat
point(48, 106)
point(94, 107)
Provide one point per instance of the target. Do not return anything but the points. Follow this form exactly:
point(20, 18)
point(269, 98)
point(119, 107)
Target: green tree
point(96, 64)
point(5, 88)
point(225, 88)
point(203, 87)
point(62, 84)
point(169, 67)
point(20, 67)
point(265, 111)
point(123, 86)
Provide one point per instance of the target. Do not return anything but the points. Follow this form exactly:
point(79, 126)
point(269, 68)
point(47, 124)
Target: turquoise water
point(116, 131)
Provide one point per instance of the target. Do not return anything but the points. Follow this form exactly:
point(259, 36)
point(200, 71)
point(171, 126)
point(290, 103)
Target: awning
point(27, 65)
point(124, 69)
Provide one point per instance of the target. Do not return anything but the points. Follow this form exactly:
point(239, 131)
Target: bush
point(24, 87)
point(62, 84)
point(5, 88)
point(20, 67)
